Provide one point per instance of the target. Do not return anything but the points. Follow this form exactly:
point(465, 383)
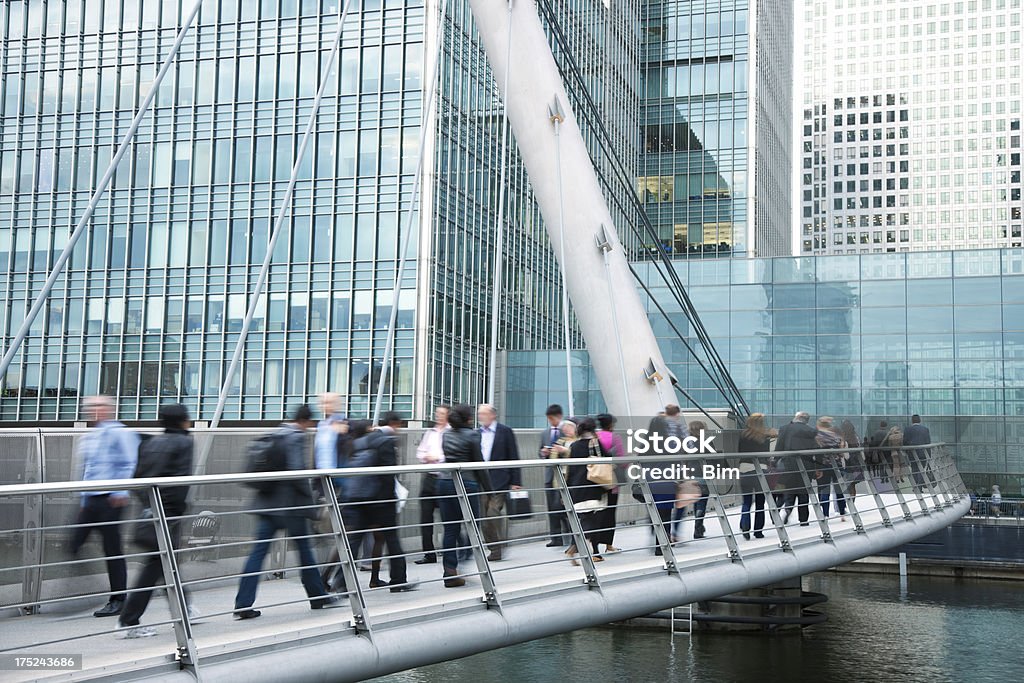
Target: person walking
point(755, 438)
point(461, 444)
point(829, 438)
point(109, 451)
point(429, 451)
point(275, 509)
point(588, 499)
point(165, 455)
point(879, 457)
point(372, 501)
point(669, 424)
point(917, 435)
point(611, 442)
point(995, 501)
point(796, 436)
point(558, 523)
point(853, 472)
point(497, 443)
point(332, 448)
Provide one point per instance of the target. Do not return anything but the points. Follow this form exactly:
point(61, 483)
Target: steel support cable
point(557, 118)
point(261, 279)
point(83, 222)
point(685, 304)
point(685, 343)
point(428, 105)
point(499, 223)
point(623, 177)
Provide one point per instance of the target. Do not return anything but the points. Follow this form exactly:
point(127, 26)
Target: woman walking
point(756, 438)
point(589, 500)
point(460, 444)
point(613, 446)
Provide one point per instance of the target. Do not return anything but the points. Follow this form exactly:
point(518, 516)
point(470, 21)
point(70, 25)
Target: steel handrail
point(245, 477)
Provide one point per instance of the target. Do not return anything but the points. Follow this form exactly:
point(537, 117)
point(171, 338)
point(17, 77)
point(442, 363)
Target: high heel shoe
point(571, 552)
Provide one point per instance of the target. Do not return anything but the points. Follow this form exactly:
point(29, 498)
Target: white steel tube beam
point(83, 222)
point(557, 117)
point(530, 88)
point(286, 201)
point(499, 238)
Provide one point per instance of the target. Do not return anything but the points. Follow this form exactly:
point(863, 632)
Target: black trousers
point(98, 510)
point(558, 522)
point(428, 504)
point(152, 573)
point(380, 520)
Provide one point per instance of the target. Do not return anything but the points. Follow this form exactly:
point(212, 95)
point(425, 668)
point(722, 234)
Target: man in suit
point(497, 442)
point(798, 435)
point(558, 523)
point(917, 435)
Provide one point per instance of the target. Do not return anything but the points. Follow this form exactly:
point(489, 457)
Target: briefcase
point(519, 504)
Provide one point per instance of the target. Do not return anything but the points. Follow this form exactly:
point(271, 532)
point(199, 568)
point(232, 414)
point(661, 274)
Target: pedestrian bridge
point(47, 597)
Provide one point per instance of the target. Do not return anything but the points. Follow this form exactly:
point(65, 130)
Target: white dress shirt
point(430, 445)
point(487, 441)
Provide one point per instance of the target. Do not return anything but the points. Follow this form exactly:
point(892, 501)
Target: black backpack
point(265, 454)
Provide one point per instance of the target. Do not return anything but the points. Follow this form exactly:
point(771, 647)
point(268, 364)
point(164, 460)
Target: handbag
point(401, 495)
point(600, 473)
point(591, 505)
point(519, 504)
point(145, 532)
point(687, 493)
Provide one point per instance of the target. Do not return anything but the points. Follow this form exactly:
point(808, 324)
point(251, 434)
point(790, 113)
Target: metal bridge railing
point(796, 494)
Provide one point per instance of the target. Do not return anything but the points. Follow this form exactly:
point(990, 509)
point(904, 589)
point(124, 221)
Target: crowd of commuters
point(583, 475)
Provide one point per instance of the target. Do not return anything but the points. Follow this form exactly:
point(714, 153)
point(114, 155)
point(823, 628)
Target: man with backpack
point(275, 506)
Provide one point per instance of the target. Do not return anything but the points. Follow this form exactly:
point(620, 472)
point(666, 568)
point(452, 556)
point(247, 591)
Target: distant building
point(911, 126)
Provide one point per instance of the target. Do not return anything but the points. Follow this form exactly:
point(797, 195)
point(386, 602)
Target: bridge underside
point(541, 595)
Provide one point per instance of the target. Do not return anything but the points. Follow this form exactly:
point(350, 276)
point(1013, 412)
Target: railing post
point(579, 538)
point(32, 550)
point(858, 523)
point(773, 509)
point(476, 539)
point(662, 538)
point(938, 477)
point(869, 482)
point(921, 472)
point(723, 519)
point(187, 652)
point(360, 614)
point(888, 467)
point(812, 499)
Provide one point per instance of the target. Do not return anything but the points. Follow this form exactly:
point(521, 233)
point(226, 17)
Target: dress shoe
point(452, 579)
point(758, 534)
point(246, 614)
point(494, 557)
point(426, 559)
point(746, 535)
point(404, 587)
point(554, 544)
point(377, 584)
point(111, 609)
point(328, 603)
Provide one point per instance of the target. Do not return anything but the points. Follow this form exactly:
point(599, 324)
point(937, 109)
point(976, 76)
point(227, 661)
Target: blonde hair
point(756, 429)
point(825, 421)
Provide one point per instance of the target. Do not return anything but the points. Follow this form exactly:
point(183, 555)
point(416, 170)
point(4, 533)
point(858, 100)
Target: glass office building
point(151, 303)
point(871, 337)
point(715, 168)
point(911, 125)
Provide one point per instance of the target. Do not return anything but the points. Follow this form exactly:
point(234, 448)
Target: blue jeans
point(823, 496)
point(451, 517)
point(266, 527)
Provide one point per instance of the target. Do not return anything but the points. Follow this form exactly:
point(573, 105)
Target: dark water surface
point(937, 630)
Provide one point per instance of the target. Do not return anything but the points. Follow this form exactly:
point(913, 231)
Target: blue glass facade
point(870, 337)
point(716, 122)
point(150, 305)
